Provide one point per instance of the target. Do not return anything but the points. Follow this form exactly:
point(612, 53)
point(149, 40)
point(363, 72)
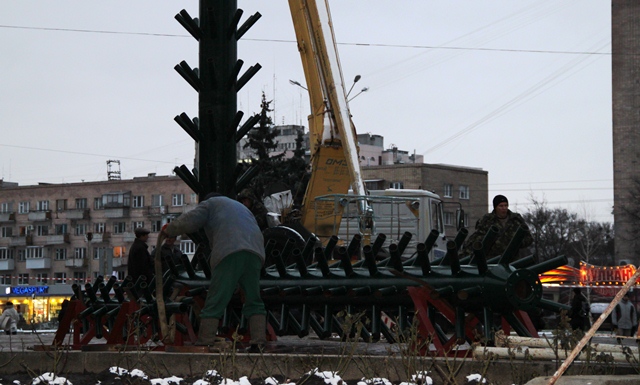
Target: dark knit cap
point(499, 199)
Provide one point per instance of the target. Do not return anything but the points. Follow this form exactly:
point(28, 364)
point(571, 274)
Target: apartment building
point(55, 235)
point(457, 186)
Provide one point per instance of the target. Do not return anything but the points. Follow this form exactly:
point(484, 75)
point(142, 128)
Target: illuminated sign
point(29, 290)
point(589, 275)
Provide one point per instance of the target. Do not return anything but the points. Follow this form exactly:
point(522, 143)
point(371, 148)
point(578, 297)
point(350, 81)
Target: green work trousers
point(241, 268)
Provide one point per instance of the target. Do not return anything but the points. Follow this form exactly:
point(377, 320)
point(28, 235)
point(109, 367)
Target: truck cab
point(395, 212)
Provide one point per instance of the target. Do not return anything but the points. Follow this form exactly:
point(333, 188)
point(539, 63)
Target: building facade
point(625, 66)
point(55, 235)
point(457, 186)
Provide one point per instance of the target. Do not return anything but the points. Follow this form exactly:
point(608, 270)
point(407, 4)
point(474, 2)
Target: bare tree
point(553, 230)
point(593, 242)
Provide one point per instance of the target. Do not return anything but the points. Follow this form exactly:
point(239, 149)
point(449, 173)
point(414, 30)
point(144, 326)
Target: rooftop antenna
point(113, 169)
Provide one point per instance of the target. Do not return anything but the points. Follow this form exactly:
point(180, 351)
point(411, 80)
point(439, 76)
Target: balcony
point(57, 239)
point(157, 211)
point(39, 263)
point(76, 263)
point(100, 237)
point(26, 240)
point(77, 214)
point(128, 237)
point(121, 261)
point(7, 217)
point(7, 264)
point(39, 215)
point(116, 212)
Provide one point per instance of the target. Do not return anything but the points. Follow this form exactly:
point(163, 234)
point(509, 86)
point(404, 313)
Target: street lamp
point(295, 83)
point(365, 89)
point(355, 80)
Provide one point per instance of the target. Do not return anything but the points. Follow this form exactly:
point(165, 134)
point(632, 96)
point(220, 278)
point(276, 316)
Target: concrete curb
point(589, 380)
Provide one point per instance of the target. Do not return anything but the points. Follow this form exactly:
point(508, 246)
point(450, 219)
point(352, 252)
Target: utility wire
point(413, 46)
point(84, 153)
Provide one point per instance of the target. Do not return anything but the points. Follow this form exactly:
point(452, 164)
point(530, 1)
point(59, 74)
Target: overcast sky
point(521, 89)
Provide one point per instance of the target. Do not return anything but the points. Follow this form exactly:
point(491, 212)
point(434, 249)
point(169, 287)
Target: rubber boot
point(207, 332)
point(258, 328)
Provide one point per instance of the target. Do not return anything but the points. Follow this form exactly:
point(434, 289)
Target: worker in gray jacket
point(624, 317)
point(237, 256)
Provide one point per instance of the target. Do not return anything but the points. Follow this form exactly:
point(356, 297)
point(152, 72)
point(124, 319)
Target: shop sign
point(29, 290)
point(589, 275)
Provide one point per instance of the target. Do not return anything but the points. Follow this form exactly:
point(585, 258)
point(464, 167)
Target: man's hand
point(163, 234)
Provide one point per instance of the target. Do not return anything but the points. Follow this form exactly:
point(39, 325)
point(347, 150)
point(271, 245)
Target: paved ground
point(311, 344)
point(17, 354)
point(308, 345)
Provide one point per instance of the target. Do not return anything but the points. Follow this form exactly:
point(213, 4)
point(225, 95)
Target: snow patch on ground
point(50, 379)
point(477, 378)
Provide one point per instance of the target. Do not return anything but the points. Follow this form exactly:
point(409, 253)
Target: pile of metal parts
point(442, 303)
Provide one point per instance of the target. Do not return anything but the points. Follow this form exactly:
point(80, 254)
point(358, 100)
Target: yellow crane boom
point(334, 151)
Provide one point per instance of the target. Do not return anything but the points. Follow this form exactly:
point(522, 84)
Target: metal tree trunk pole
point(583, 342)
point(216, 160)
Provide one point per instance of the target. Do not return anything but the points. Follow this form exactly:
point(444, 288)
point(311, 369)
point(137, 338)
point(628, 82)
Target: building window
point(5, 207)
point(23, 207)
point(6, 253)
point(23, 279)
point(448, 219)
point(138, 201)
point(466, 220)
point(156, 226)
point(61, 204)
point(396, 185)
point(79, 277)
point(35, 252)
point(448, 191)
point(119, 227)
point(97, 204)
point(464, 192)
point(5, 279)
point(121, 275)
point(99, 252)
point(42, 278)
point(59, 278)
point(81, 229)
point(156, 200)
point(42, 230)
point(121, 199)
point(99, 227)
point(119, 252)
point(188, 247)
point(194, 198)
point(61, 254)
point(80, 253)
point(42, 206)
point(81, 203)
point(137, 224)
point(177, 199)
point(61, 229)
point(6, 232)
point(21, 254)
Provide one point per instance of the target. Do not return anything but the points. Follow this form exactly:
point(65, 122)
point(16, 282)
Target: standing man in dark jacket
point(580, 311)
point(507, 221)
point(237, 256)
point(140, 261)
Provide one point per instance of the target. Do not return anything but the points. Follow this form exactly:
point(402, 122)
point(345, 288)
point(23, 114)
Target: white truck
point(395, 212)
